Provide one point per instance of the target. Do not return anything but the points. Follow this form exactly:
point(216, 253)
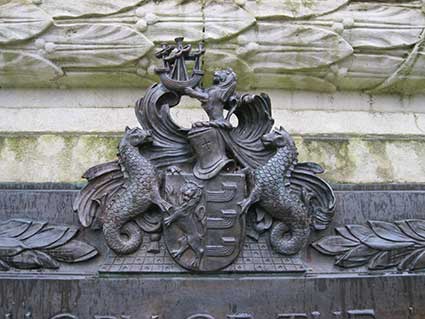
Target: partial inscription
point(352, 314)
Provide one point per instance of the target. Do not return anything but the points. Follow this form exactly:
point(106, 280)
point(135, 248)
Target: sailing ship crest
point(197, 186)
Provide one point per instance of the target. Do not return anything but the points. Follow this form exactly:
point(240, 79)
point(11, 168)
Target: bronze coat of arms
point(206, 229)
point(204, 189)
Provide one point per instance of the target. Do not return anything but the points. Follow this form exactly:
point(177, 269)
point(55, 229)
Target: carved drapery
point(330, 45)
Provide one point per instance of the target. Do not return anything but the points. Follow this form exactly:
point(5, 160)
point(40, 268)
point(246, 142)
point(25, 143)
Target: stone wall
point(347, 78)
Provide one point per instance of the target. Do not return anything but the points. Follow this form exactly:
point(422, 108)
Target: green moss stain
point(22, 147)
point(377, 150)
point(309, 3)
point(63, 158)
point(90, 150)
point(419, 148)
point(2, 144)
point(332, 154)
point(292, 5)
point(108, 145)
point(69, 144)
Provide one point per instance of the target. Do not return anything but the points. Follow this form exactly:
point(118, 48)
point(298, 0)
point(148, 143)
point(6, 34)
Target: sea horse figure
point(118, 192)
point(271, 190)
point(139, 192)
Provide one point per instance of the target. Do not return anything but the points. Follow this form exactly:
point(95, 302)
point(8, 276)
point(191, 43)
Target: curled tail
point(122, 238)
point(298, 237)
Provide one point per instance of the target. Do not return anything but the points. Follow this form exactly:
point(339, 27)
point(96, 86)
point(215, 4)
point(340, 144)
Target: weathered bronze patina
point(215, 221)
point(210, 176)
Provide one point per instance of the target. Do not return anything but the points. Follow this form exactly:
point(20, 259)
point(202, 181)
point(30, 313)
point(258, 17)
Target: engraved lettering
point(361, 314)
point(240, 316)
point(201, 316)
point(292, 315)
point(64, 316)
point(337, 314)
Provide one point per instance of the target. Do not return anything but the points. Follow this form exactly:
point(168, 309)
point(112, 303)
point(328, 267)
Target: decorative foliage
point(359, 21)
point(76, 8)
point(413, 62)
point(21, 66)
point(27, 244)
point(379, 245)
point(386, 37)
point(160, 21)
point(368, 45)
point(94, 45)
point(270, 48)
point(292, 9)
point(21, 20)
point(217, 58)
point(224, 20)
point(372, 68)
point(292, 82)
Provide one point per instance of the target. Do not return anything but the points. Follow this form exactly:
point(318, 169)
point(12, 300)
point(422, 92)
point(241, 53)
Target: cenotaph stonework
point(239, 159)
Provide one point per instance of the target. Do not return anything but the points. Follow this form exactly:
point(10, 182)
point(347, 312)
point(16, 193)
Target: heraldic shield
point(194, 188)
point(206, 230)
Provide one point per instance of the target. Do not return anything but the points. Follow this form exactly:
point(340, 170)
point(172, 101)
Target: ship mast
point(174, 74)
